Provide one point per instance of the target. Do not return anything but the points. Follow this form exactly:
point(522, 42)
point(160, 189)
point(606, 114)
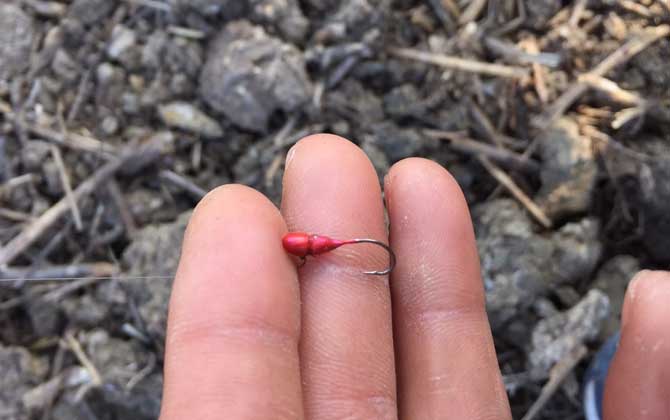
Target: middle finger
point(347, 362)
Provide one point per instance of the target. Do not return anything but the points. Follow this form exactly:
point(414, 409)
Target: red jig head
point(303, 244)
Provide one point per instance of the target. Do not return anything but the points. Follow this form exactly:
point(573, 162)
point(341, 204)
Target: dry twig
point(461, 143)
point(67, 186)
point(617, 58)
point(507, 182)
point(461, 64)
point(35, 229)
point(78, 351)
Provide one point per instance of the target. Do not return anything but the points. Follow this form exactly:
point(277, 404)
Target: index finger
point(234, 322)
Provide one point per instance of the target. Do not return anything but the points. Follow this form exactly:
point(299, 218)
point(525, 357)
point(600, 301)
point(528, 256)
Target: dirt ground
point(116, 117)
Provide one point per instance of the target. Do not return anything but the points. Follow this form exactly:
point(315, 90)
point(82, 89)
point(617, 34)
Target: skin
point(252, 337)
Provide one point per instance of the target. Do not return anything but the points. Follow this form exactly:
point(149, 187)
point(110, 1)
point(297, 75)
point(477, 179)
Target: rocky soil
point(553, 116)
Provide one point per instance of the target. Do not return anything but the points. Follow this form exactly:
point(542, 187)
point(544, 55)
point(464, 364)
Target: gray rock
point(16, 39)
point(91, 11)
point(249, 75)
point(518, 264)
point(612, 279)
point(20, 371)
point(155, 252)
point(557, 336)
point(569, 170)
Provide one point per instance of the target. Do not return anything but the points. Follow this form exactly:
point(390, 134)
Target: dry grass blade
point(461, 64)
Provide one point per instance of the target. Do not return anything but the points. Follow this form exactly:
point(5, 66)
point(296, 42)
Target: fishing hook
point(303, 244)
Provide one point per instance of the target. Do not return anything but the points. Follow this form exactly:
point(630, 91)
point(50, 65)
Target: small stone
point(569, 170)
point(249, 75)
point(91, 11)
point(612, 279)
point(187, 117)
point(122, 40)
point(110, 125)
point(16, 39)
point(557, 336)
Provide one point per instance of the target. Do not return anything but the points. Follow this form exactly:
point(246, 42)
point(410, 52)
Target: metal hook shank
point(392, 258)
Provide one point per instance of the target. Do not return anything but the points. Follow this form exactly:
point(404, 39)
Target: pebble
point(187, 117)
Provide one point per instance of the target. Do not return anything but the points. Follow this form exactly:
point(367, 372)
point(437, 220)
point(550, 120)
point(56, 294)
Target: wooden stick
point(461, 64)
point(184, 183)
point(507, 182)
point(122, 206)
point(472, 11)
point(67, 186)
point(473, 147)
point(617, 58)
point(610, 88)
point(78, 351)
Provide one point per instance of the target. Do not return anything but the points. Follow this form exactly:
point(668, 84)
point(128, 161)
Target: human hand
point(252, 337)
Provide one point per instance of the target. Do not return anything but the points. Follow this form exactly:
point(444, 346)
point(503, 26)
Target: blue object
point(594, 380)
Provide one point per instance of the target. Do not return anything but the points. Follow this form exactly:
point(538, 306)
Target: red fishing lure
point(303, 244)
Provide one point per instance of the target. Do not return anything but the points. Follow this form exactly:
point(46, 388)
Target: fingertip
point(328, 166)
point(408, 174)
point(645, 298)
point(326, 146)
point(216, 204)
point(639, 379)
point(234, 316)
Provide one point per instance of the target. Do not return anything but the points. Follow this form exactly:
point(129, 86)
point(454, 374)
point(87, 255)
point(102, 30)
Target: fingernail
point(631, 296)
point(290, 156)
